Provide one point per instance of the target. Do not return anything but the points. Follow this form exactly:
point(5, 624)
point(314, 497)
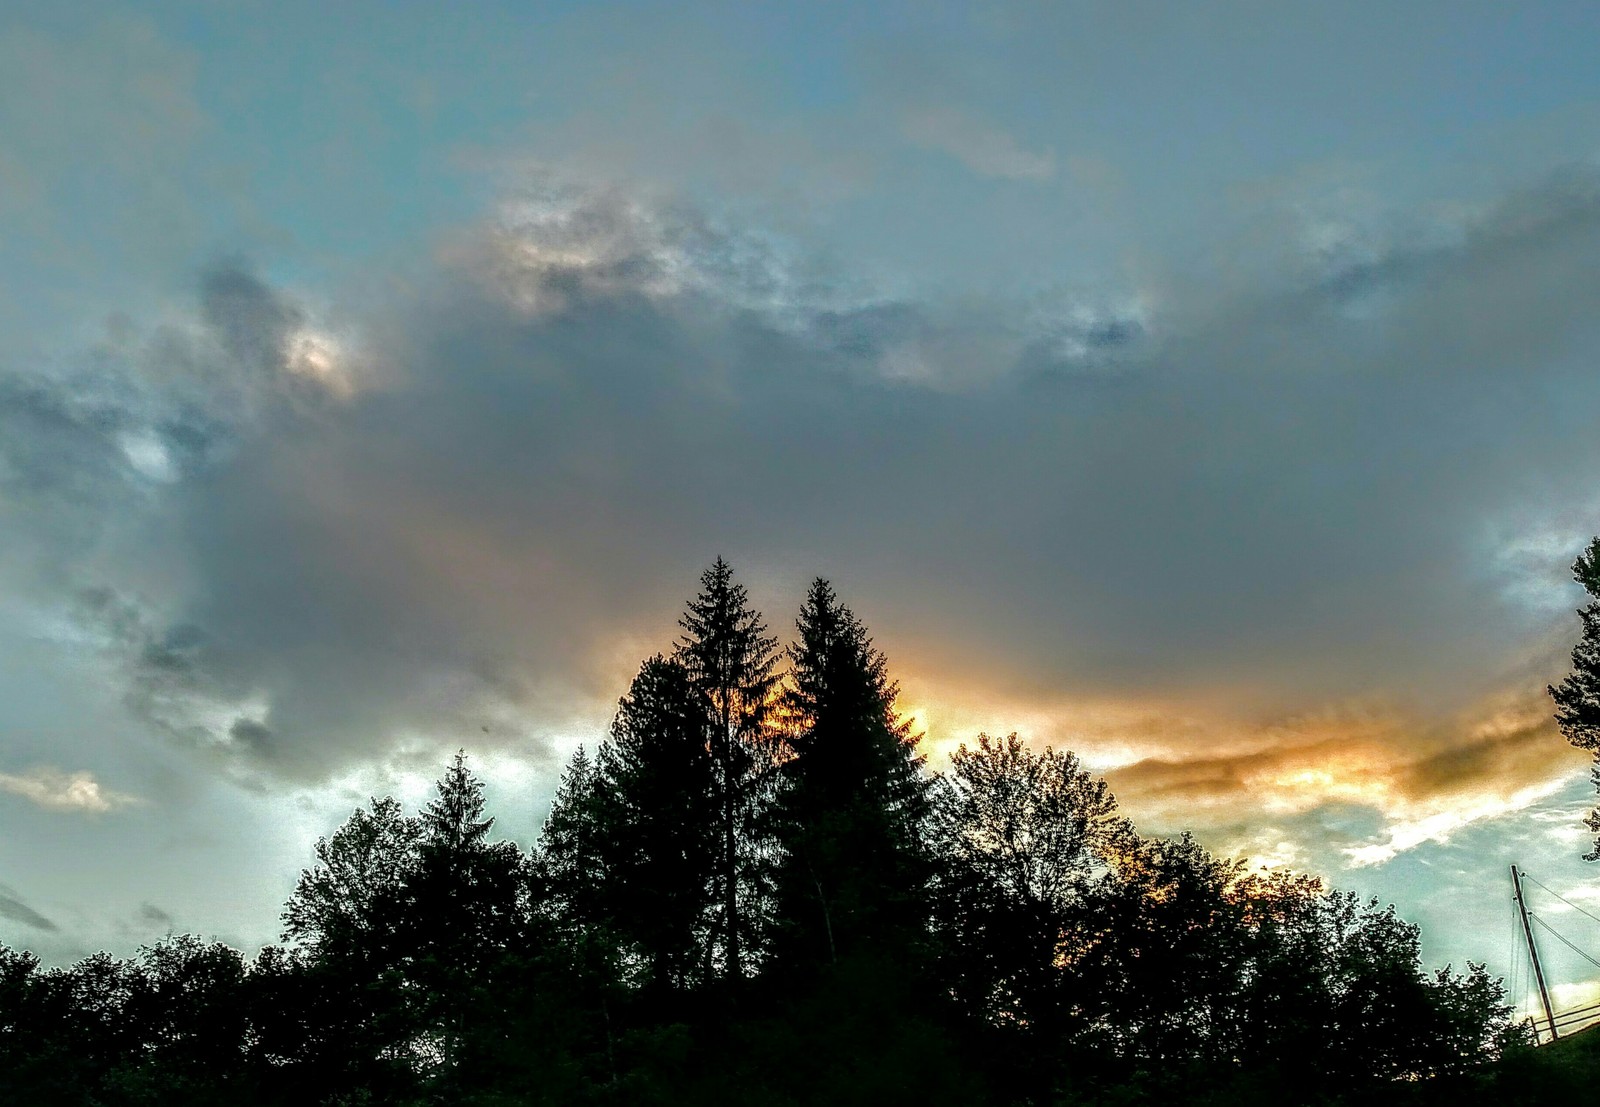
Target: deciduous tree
point(1017, 835)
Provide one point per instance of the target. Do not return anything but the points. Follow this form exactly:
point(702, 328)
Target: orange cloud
point(1177, 765)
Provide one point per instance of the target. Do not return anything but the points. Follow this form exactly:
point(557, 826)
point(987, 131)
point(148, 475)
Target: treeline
point(754, 892)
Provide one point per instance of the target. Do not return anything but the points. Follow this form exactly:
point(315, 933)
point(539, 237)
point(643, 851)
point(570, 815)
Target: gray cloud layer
point(308, 541)
point(12, 908)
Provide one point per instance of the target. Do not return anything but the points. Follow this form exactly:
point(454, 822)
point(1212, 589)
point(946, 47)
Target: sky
point(1207, 389)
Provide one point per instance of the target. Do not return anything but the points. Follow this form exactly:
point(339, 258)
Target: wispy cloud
point(12, 907)
point(149, 915)
point(55, 790)
point(981, 146)
point(1396, 778)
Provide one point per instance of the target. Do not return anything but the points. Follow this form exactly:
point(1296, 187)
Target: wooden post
point(1533, 951)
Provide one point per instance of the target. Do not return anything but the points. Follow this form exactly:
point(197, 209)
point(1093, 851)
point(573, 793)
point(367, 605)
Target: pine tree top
point(727, 652)
point(835, 656)
point(1586, 570)
point(453, 818)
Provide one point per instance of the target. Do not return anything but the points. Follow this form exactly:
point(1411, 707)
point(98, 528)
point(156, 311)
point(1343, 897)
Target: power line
point(1578, 1011)
point(1562, 898)
point(1519, 955)
point(1566, 1023)
point(1564, 941)
point(1578, 1014)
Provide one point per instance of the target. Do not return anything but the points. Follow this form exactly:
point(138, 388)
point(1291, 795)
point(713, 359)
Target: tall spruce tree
point(463, 907)
point(731, 664)
point(571, 862)
point(659, 783)
point(466, 895)
point(470, 886)
point(852, 801)
point(1578, 696)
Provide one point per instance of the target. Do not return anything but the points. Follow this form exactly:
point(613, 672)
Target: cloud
point(150, 915)
point(55, 790)
point(306, 538)
point(1372, 756)
point(99, 126)
point(981, 146)
point(554, 243)
point(1263, 786)
point(11, 907)
point(118, 90)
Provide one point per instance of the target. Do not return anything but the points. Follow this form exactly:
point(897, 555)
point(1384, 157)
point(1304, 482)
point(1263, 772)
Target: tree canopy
point(755, 891)
point(1577, 697)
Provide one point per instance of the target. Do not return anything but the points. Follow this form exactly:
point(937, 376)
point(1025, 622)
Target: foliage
point(352, 900)
point(1018, 836)
point(731, 664)
point(662, 853)
point(754, 892)
point(848, 818)
point(1577, 697)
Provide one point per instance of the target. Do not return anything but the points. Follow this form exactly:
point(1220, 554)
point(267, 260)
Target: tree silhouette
point(1156, 964)
point(351, 902)
point(848, 817)
point(1578, 695)
point(660, 833)
point(998, 935)
point(573, 855)
point(731, 662)
point(190, 1011)
point(1019, 836)
point(462, 909)
point(347, 918)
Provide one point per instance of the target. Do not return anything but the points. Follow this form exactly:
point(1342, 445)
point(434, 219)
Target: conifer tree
point(571, 861)
point(463, 906)
point(1578, 696)
point(852, 802)
point(659, 784)
point(731, 663)
point(452, 823)
point(466, 884)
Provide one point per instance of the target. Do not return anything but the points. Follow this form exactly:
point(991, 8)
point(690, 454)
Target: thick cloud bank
point(303, 537)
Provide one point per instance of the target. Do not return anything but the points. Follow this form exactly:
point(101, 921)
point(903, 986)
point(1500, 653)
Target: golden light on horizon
point(1176, 764)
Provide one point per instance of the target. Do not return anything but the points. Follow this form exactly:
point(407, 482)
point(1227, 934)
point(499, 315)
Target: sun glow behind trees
point(757, 866)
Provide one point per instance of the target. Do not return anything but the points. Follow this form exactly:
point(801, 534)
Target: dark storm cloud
point(480, 504)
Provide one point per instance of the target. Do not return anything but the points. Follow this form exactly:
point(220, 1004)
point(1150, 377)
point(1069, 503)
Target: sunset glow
point(379, 387)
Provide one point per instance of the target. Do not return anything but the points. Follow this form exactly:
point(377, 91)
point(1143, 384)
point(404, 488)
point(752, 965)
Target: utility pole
point(1533, 951)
